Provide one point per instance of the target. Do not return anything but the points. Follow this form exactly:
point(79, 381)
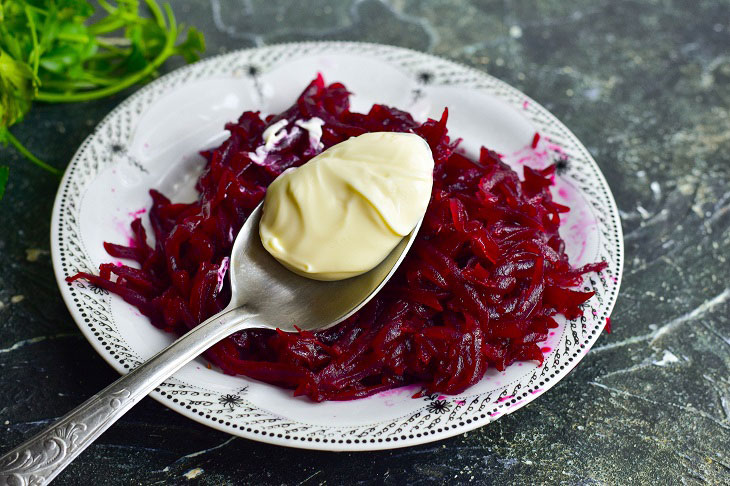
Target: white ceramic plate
point(152, 140)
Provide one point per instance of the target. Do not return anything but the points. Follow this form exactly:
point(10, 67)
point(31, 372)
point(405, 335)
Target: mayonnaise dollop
point(344, 211)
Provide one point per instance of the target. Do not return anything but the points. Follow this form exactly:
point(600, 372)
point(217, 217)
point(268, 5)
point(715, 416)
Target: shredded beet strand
point(487, 273)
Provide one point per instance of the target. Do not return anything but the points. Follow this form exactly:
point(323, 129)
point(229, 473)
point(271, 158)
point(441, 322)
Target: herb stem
point(105, 5)
point(26, 153)
point(110, 52)
point(156, 13)
point(36, 9)
point(68, 85)
point(98, 80)
point(109, 90)
point(72, 37)
point(106, 26)
point(110, 42)
point(36, 52)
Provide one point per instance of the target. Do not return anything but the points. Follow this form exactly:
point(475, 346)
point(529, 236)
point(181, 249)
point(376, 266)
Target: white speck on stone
point(593, 93)
point(17, 299)
point(698, 210)
point(668, 358)
point(499, 61)
point(707, 80)
point(7, 422)
point(2, 304)
point(656, 189)
point(686, 187)
point(193, 473)
point(507, 463)
point(515, 31)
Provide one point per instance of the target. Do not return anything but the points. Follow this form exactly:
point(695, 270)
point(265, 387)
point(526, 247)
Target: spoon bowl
point(263, 294)
point(280, 298)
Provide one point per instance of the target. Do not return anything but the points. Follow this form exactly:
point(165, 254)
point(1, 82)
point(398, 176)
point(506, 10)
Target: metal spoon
point(264, 294)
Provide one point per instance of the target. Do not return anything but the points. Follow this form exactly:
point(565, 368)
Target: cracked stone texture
point(644, 84)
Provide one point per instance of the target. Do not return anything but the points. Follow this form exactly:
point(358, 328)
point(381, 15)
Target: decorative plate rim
point(89, 310)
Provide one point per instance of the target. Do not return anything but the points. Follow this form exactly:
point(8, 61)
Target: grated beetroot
point(480, 287)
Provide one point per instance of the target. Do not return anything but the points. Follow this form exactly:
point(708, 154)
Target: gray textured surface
point(644, 84)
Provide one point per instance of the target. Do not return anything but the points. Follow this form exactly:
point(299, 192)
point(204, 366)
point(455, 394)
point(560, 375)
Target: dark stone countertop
point(644, 84)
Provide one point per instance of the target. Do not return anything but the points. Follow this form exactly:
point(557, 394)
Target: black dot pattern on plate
point(432, 421)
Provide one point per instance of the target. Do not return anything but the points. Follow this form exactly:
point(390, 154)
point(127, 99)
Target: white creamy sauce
point(343, 212)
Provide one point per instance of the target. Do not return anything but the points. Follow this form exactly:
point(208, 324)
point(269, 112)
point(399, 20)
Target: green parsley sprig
point(60, 51)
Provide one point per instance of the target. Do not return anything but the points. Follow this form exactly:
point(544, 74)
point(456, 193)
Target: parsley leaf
point(17, 88)
point(61, 51)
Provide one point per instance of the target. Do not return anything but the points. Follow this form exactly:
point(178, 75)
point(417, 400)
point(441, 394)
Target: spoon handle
point(41, 458)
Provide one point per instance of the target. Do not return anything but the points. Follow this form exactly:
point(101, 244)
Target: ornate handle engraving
point(41, 458)
point(37, 461)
